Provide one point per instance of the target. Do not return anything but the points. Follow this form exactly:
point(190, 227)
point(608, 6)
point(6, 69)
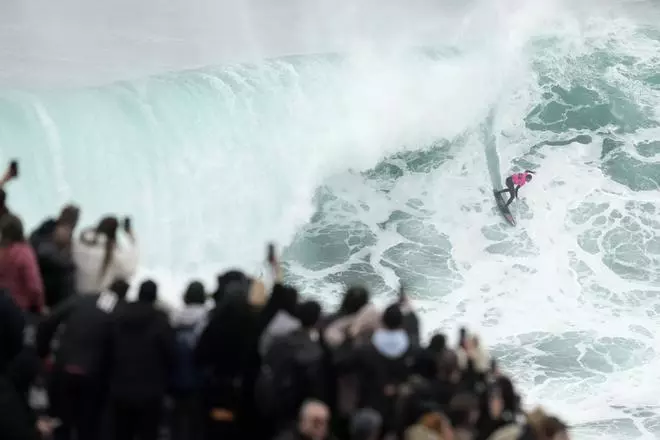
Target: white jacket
point(89, 259)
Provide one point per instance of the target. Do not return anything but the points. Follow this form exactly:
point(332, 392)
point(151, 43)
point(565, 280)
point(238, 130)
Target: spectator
point(284, 321)
point(226, 353)
point(99, 257)
point(16, 420)
point(366, 425)
point(292, 369)
point(313, 423)
point(52, 244)
point(79, 374)
point(384, 364)
point(11, 173)
point(188, 323)
point(19, 271)
point(141, 360)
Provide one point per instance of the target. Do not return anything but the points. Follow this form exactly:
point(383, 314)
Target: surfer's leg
point(509, 187)
point(512, 195)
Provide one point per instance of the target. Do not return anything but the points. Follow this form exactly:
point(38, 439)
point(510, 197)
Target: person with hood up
point(100, 258)
point(142, 356)
point(79, 373)
point(383, 365)
point(52, 243)
point(19, 270)
point(188, 323)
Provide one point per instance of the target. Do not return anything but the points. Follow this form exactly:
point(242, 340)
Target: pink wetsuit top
point(519, 179)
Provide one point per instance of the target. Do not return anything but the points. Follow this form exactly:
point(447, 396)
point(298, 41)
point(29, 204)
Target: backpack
point(187, 378)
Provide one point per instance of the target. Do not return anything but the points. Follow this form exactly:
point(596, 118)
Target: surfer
point(513, 184)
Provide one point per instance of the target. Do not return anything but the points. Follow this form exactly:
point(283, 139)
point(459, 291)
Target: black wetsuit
point(511, 188)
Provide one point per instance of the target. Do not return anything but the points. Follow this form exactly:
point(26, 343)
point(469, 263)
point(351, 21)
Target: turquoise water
point(375, 170)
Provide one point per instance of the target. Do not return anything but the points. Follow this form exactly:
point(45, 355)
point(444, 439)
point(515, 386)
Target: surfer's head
point(528, 177)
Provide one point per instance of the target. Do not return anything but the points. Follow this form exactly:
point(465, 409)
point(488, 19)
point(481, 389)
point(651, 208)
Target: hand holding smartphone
point(271, 254)
point(274, 263)
point(13, 168)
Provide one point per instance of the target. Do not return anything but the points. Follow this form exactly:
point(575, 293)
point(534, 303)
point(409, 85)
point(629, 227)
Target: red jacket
point(19, 274)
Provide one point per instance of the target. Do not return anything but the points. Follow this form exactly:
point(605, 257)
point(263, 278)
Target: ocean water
point(377, 167)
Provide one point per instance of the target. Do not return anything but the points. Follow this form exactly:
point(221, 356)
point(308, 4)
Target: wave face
point(378, 168)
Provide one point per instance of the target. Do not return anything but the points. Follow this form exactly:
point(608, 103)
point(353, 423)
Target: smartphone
point(271, 253)
point(13, 168)
point(127, 223)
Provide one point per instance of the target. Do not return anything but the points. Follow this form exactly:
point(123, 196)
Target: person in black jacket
point(12, 323)
point(16, 421)
point(52, 244)
point(79, 375)
point(188, 323)
point(384, 364)
point(292, 370)
point(225, 355)
point(142, 356)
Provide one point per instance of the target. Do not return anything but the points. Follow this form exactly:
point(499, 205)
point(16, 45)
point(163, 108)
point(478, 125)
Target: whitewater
point(365, 140)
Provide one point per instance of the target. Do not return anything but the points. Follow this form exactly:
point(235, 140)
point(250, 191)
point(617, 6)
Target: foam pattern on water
point(569, 298)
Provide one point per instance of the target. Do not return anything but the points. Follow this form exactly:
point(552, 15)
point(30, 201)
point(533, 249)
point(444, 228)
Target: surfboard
point(501, 204)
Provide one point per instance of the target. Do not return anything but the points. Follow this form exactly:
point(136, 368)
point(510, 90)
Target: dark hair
point(289, 300)
point(448, 365)
point(438, 343)
point(11, 230)
point(426, 365)
point(195, 294)
point(460, 407)
point(354, 299)
point(528, 177)
point(120, 288)
point(225, 279)
point(108, 227)
point(392, 317)
point(510, 399)
point(365, 423)
point(69, 216)
point(552, 426)
point(148, 292)
point(309, 314)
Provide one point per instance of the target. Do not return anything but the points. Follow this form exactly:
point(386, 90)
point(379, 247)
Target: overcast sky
point(74, 41)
